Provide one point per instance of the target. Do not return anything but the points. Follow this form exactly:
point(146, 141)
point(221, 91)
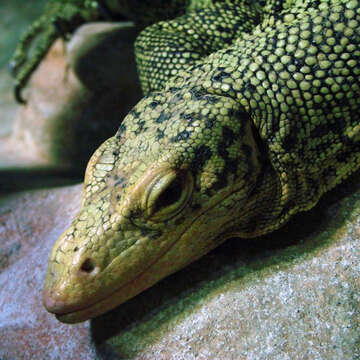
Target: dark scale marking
point(121, 181)
point(275, 125)
point(160, 134)
point(121, 130)
point(223, 29)
point(250, 87)
point(202, 154)
point(219, 77)
point(228, 136)
point(228, 40)
point(197, 93)
point(163, 117)
point(186, 117)
point(183, 135)
point(290, 142)
point(320, 131)
point(211, 100)
point(189, 118)
point(136, 114)
point(209, 123)
point(174, 89)
point(222, 150)
point(242, 117)
point(154, 104)
point(231, 166)
point(141, 127)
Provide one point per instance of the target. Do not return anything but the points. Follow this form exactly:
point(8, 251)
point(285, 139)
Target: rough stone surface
point(66, 119)
point(291, 295)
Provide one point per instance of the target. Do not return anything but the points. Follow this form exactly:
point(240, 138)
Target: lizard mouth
point(74, 314)
point(82, 314)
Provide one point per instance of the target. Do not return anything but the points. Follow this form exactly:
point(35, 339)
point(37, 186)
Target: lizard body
point(253, 117)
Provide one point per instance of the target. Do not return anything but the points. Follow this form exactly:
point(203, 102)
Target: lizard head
point(165, 190)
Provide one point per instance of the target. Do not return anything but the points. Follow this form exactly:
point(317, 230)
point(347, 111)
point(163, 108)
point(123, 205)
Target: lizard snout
point(55, 303)
point(61, 294)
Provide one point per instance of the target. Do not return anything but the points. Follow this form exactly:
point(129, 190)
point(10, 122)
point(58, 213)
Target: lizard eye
point(167, 195)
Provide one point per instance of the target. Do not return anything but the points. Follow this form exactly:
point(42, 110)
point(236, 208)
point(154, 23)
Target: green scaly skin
point(246, 122)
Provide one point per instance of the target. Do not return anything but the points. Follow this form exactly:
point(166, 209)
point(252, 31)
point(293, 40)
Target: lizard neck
point(261, 211)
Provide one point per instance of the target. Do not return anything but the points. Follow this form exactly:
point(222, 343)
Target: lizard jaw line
point(102, 305)
point(95, 309)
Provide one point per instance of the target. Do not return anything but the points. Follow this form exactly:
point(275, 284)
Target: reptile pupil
point(170, 195)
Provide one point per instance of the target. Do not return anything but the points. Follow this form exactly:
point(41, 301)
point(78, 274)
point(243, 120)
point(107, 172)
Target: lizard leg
point(164, 49)
point(59, 18)
point(19, 56)
point(29, 65)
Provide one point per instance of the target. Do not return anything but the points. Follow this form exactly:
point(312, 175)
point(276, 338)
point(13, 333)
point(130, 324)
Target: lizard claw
point(17, 94)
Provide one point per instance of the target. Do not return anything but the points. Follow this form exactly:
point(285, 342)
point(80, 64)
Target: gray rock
point(291, 295)
point(102, 56)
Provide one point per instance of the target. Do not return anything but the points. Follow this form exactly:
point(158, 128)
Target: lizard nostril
point(88, 266)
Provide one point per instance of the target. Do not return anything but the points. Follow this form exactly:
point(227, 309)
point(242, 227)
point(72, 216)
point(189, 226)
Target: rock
point(293, 294)
point(102, 56)
point(66, 119)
